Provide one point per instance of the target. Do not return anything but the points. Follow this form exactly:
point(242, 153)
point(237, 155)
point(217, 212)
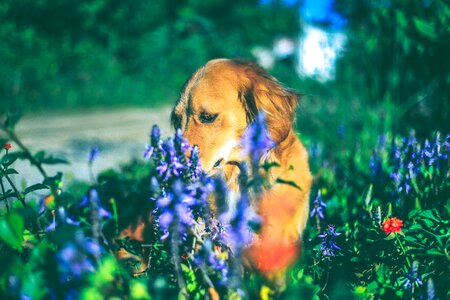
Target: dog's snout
point(217, 163)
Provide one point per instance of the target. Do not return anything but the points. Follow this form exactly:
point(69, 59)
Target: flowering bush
point(379, 231)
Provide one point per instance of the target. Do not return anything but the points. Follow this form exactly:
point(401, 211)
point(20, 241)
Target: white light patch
point(225, 151)
point(233, 198)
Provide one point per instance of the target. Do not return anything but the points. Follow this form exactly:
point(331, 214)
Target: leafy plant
point(382, 232)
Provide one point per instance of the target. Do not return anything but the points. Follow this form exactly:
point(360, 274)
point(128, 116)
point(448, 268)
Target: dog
point(215, 107)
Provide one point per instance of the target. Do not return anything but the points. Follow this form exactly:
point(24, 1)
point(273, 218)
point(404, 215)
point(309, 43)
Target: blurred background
point(103, 71)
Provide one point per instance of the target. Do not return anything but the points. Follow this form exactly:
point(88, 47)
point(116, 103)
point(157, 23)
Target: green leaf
point(11, 171)
point(138, 290)
point(3, 141)
point(11, 230)
point(288, 182)
point(105, 272)
point(269, 165)
point(55, 180)
point(35, 187)
point(434, 252)
point(12, 120)
point(40, 155)
point(8, 194)
point(368, 195)
point(50, 160)
point(132, 246)
point(8, 160)
point(425, 28)
point(390, 236)
point(16, 155)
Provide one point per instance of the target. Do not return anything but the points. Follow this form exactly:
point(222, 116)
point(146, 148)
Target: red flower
point(392, 225)
point(7, 146)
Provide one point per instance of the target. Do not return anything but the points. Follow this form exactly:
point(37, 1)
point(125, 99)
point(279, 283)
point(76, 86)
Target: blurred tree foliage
point(398, 51)
point(71, 53)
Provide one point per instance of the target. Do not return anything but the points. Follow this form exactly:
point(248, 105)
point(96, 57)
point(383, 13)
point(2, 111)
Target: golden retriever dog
point(215, 107)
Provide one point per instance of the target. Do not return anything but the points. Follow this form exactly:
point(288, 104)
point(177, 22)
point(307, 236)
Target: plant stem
point(115, 216)
point(24, 204)
point(4, 193)
point(204, 273)
point(174, 240)
point(27, 152)
point(18, 194)
point(403, 249)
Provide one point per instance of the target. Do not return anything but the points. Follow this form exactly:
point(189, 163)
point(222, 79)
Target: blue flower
point(319, 206)
point(256, 144)
point(194, 165)
point(256, 141)
point(238, 222)
point(208, 258)
point(413, 278)
point(155, 136)
point(328, 243)
point(174, 210)
point(430, 290)
point(78, 257)
point(93, 154)
point(148, 152)
point(93, 196)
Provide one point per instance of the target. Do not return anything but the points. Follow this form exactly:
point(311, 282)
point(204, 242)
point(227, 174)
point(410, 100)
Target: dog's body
point(215, 107)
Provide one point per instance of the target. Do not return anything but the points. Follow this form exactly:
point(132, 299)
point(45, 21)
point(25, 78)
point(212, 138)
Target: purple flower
point(102, 212)
point(239, 221)
point(165, 219)
point(195, 166)
point(413, 278)
point(256, 144)
point(93, 196)
point(174, 210)
point(208, 259)
point(77, 258)
point(61, 219)
point(149, 152)
point(93, 154)
point(181, 144)
point(375, 164)
point(319, 206)
point(430, 290)
point(155, 136)
point(256, 141)
point(328, 243)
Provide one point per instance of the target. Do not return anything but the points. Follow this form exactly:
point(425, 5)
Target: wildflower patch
point(381, 233)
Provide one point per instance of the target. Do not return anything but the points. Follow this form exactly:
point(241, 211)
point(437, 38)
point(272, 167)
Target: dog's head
point(221, 99)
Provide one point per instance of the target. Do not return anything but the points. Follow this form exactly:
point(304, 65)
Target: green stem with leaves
point(4, 193)
point(13, 186)
point(403, 249)
point(26, 151)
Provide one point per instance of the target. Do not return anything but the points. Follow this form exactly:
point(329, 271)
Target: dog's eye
point(207, 118)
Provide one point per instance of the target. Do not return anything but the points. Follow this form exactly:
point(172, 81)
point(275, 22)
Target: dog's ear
point(179, 113)
point(262, 92)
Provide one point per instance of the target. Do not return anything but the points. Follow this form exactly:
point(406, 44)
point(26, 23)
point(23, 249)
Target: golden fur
point(232, 92)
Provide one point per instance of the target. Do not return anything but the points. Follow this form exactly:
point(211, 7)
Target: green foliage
point(100, 53)
point(367, 260)
point(11, 229)
point(396, 51)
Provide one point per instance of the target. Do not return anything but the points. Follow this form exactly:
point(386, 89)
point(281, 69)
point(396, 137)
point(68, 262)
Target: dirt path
point(121, 134)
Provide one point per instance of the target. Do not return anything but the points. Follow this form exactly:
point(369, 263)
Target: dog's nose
point(217, 163)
